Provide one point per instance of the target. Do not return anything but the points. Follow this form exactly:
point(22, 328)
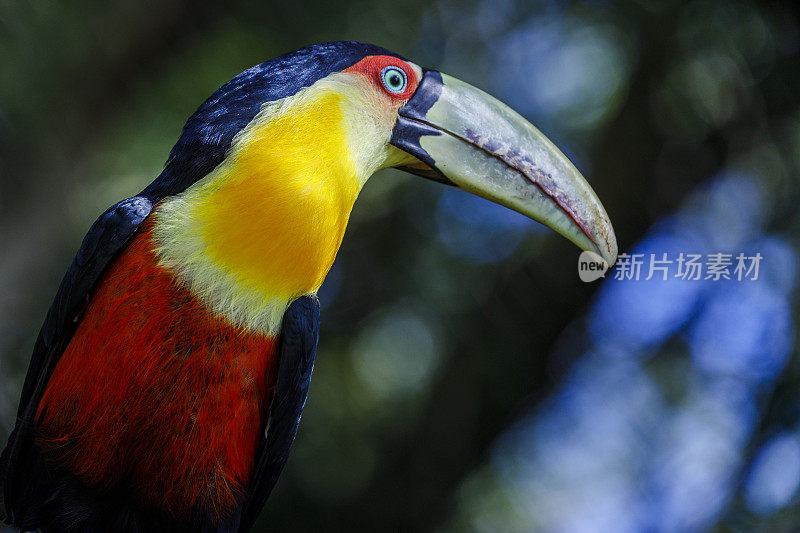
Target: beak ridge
point(470, 139)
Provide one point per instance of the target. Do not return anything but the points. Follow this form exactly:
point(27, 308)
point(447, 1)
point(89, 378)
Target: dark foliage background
point(466, 379)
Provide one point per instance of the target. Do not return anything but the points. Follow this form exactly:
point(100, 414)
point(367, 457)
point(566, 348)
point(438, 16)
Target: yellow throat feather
point(264, 227)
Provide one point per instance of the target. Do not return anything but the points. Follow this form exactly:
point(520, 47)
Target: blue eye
point(394, 79)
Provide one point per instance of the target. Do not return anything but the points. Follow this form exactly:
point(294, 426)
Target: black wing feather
point(106, 238)
point(297, 349)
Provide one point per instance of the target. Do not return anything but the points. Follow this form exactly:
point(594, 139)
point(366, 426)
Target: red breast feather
point(156, 392)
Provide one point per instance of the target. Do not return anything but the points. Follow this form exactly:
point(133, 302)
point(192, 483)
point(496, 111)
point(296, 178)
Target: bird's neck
point(264, 227)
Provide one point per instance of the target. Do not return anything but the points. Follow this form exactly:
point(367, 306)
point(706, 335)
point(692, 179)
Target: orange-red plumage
point(154, 390)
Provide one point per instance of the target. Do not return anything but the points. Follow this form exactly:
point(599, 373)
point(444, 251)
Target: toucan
point(167, 382)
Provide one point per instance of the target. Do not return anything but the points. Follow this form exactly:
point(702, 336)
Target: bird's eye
point(394, 79)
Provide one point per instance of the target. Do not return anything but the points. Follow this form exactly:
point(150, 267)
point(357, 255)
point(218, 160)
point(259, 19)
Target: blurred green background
point(466, 379)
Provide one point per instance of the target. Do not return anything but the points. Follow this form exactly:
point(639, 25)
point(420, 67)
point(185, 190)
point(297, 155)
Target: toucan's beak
point(466, 138)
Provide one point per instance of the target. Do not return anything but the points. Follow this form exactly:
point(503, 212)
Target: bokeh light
point(775, 474)
point(396, 354)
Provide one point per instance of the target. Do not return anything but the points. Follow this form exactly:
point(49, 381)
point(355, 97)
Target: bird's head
point(271, 164)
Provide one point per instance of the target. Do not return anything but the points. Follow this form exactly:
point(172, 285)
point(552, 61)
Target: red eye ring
point(374, 68)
